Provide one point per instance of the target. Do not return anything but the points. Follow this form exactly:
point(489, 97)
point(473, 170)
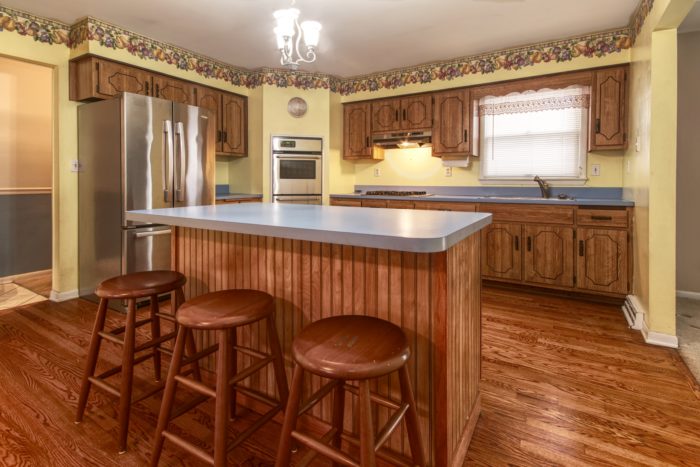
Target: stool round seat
point(225, 309)
point(140, 284)
point(351, 348)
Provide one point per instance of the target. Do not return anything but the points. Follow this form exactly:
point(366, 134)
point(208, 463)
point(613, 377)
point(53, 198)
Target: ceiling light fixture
point(289, 34)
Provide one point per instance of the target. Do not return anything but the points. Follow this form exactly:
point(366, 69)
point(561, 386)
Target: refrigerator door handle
point(153, 233)
point(167, 159)
point(180, 179)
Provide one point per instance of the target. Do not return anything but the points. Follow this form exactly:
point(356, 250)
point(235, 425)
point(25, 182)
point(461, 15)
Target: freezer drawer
point(146, 249)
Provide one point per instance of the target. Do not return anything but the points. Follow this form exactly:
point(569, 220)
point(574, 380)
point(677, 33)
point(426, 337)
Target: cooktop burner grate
point(395, 193)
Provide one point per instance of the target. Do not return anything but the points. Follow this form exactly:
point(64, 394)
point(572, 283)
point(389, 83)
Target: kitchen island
point(417, 269)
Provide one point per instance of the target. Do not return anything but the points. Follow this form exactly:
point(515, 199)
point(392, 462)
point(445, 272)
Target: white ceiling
point(692, 21)
point(358, 36)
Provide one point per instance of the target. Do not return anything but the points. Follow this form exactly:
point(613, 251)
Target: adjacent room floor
point(688, 326)
point(25, 289)
point(564, 383)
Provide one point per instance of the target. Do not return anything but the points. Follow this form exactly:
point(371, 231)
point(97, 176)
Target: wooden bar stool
point(131, 287)
point(222, 312)
point(355, 348)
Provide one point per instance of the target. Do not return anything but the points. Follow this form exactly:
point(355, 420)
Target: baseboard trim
point(635, 314)
point(63, 296)
point(633, 311)
point(687, 294)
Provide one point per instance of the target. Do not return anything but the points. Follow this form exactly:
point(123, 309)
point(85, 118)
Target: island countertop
point(392, 229)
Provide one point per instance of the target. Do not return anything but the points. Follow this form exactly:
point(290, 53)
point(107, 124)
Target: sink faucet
point(544, 186)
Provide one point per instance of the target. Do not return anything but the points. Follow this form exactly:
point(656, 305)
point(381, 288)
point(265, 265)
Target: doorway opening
point(26, 153)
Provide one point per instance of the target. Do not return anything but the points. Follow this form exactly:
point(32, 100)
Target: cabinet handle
point(218, 136)
point(601, 218)
point(517, 243)
point(225, 137)
point(466, 135)
point(529, 243)
point(147, 91)
point(396, 115)
point(404, 114)
point(157, 90)
point(367, 141)
point(580, 248)
point(597, 125)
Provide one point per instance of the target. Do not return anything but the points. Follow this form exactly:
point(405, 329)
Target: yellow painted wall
point(245, 174)
point(651, 179)
point(26, 126)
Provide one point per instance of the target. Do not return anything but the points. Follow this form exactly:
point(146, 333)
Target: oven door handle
point(297, 198)
point(299, 158)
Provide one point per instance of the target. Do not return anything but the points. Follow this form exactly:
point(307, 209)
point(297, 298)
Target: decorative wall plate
point(297, 107)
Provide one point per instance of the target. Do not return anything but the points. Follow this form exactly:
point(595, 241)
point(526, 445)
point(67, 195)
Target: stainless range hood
point(403, 140)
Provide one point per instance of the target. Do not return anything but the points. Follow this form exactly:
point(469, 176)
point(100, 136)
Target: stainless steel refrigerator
point(137, 152)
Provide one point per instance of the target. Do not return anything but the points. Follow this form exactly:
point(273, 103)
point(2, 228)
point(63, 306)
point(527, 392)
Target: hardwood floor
point(564, 383)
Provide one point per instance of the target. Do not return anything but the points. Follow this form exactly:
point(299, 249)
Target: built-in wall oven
point(297, 168)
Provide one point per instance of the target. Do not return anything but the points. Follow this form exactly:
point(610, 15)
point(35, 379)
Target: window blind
point(534, 133)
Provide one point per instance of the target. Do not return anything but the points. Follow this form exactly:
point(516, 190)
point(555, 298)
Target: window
point(534, 133)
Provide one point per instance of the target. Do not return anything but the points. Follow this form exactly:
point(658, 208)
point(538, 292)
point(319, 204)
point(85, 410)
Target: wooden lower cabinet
point(602, 260)
point(548, 256)
point(373, 203)
point(501, 255)
point(346, 202)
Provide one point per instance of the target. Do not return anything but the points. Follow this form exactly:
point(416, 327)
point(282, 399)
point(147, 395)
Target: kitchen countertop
point(582, 196)
point(237, 196)
point(392, 229)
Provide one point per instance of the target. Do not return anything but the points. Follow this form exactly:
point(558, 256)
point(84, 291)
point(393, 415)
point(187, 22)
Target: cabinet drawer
point(373, 203)
point(346, 202)
point(603, 217)
point(539, 214)
point(445, 206)
point(400, 204)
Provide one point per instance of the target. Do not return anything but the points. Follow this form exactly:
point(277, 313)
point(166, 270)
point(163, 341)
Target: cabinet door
point(346, 202)
point(114, 78)
point(234, 124)
point(386, 116)
point(452, 123)
point(210, 99)
point(549, 255)
point(602, 260)
point(417, 113)
point(500, 251)
point(608, 110)
point(356, 131)
point(173, 90)
point(373, 203)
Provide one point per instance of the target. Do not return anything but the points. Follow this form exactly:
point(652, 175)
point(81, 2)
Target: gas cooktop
point(396, 193)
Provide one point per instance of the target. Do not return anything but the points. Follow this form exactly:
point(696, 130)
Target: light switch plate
point(75, 166)
point(595, 170)
point(377, 172)
point(448, 171)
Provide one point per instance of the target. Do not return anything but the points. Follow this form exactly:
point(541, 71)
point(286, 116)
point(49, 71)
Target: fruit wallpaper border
point(108, 35)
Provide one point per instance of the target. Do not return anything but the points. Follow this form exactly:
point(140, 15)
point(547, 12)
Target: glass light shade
point(286, 20)
point(280, 38)
point(311, 30)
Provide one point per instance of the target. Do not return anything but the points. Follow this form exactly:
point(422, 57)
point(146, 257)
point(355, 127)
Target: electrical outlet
point(75, 166)
point(377, 172)
point(448, 171)
point(595, 170)
point(638, 144)
point(629, 166)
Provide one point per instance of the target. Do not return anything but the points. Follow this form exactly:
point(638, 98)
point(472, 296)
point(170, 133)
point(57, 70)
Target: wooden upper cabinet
point(417, 112)
point(234, 124)
point(114, 78)
point(501, 255)
point(609, 109)
point(602, 260)
point(357, 138)
point(386, 116)
point(452, 123)
point(173, 89)
point(210, 99)
point(548, 255)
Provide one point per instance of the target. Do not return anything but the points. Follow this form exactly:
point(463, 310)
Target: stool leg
point(93, 353)
point(127, 374)
point(412, 425)
point(223, 393)
point(168, 395)
point(233, 364)
point(155, 334)
point(367, 455)
point(191, 346)
point(284, 451)
point(338, 414)
point(278, 362)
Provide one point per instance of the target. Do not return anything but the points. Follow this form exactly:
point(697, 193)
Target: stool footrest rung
point(137, 324)
point(269, 415)
point(148, 393)
point(325, 450)
point(374, 397)
point(155, 342)
point(166, 316)
point(189, 447)
point(104, 385)
point(383, 454)
point(111, 337)
point(200, 355)
point(196, 386)
point(251, 370)
point(311, 455)
point(390, 426)
point(257, 395)
point(118, 368)
point(318, 395)
point(187, 406)
point(250, 352)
